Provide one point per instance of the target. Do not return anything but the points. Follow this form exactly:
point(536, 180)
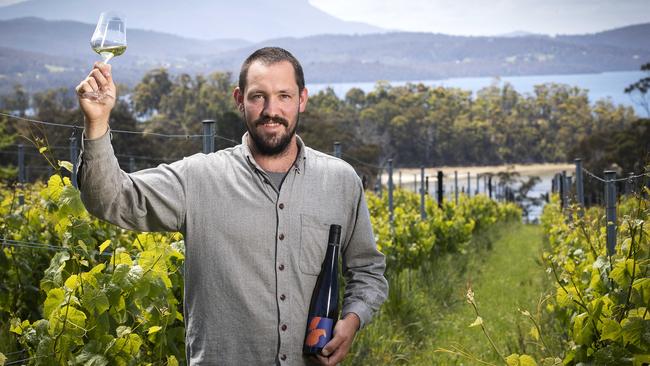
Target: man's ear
point(239, 99)
point(304, 95)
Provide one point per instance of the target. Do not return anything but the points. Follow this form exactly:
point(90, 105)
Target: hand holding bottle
point(344, 332)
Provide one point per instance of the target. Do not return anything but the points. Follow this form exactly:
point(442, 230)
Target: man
point(255, 219)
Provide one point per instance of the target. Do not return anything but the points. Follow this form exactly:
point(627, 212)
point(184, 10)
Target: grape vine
point(602, 300)
point(78, 290)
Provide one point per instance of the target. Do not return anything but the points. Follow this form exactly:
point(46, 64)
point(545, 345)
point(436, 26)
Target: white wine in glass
point(108, 40)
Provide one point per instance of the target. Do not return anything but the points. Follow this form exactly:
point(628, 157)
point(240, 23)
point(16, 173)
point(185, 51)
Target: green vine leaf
point(66, 165)
point(636, 331)
point(104, 245)
point(611, 330)
point(154, 329)
point(55, 297)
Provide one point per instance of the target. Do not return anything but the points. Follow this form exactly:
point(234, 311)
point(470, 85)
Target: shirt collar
point(298, 164)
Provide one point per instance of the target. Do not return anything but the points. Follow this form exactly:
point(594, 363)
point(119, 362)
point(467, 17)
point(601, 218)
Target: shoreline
point(545, 169)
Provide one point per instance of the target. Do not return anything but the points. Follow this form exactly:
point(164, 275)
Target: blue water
point(600, 86)
point(538, 191)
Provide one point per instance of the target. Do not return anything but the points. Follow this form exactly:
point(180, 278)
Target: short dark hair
point(270, 56)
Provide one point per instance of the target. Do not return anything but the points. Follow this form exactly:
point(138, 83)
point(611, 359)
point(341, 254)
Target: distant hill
point(630, 37)
point(69, 38)
point(253, 20)
point(414, 56)
point(40, 54)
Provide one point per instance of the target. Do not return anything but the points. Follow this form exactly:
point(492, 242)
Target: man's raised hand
point(97, 109)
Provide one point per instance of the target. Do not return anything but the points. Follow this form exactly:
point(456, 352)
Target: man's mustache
point(267, 119)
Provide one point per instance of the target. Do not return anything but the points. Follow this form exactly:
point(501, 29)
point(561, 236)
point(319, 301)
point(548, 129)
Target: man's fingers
point(97, 76)
point(336, 349)
point(105, 70)
point(331, 352)
point(93, 84)
point(323, 360)
point(84, 87)
point(332, 345)
point(336, 357)
point(99, 80)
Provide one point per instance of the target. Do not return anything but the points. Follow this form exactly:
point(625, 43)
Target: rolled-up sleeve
point(148, 200)
point(363, 266)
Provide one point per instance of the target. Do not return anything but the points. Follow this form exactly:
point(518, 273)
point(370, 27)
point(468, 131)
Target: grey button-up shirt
point(252, 253)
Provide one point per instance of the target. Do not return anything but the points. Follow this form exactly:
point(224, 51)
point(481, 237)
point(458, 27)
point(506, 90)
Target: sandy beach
point(540, 170)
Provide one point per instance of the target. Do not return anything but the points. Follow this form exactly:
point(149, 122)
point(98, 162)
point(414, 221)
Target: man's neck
point(279, 163)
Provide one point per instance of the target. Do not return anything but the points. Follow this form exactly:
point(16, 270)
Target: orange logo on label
point(314, 332)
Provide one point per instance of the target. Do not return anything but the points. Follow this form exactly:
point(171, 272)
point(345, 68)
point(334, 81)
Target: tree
point(8, 171)
point(18, 101)
point(188, 101)
point(413, 124)
point(640, 90)
point(626, 150)
point(149, 92)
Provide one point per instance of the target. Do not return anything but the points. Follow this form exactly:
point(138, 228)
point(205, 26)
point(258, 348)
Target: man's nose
point(272, 107)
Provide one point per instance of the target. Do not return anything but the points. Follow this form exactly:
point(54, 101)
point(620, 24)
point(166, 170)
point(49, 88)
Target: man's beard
point(273, 144)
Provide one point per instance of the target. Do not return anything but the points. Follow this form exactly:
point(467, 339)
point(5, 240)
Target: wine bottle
point(324, 306)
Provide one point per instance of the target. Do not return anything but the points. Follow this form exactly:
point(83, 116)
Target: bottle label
point(319, 331)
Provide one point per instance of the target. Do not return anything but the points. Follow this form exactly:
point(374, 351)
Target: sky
point(477, 17)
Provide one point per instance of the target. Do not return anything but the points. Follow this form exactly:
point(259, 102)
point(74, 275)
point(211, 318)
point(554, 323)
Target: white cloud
point(9, 2)
point(494, 17)
point(480, 17)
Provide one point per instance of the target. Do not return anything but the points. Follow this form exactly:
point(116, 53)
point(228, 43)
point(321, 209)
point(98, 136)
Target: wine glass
point(108, 40)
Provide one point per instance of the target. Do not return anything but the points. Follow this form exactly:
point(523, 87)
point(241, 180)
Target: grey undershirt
point(276, 178)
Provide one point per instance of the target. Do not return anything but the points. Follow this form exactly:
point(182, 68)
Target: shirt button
point(281, 206)
point(283, 357)
point(282, 297)
point(281, 237)
point(283, 327)
point(281, 268)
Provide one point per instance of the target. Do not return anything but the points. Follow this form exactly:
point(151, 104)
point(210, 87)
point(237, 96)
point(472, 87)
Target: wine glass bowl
point(109, 38)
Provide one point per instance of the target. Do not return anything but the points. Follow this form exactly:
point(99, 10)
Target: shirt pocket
point(313, 243)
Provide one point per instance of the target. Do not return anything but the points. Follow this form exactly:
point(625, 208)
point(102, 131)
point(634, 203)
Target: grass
point(505, 280)
point(427, 309)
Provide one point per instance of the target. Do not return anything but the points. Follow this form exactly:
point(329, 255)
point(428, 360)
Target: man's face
point(270, 106)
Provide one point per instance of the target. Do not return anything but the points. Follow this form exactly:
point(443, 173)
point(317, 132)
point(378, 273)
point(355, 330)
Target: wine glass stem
point(107, 56)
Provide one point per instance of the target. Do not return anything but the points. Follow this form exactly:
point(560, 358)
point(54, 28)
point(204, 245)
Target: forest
point(415, 125)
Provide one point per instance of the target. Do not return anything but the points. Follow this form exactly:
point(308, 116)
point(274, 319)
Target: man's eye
point(285, 96)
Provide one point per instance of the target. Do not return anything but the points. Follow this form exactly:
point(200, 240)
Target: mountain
point(630, 37)
point(40, 54)
point(69, 38)
point(253, 20)
point(417, 56)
